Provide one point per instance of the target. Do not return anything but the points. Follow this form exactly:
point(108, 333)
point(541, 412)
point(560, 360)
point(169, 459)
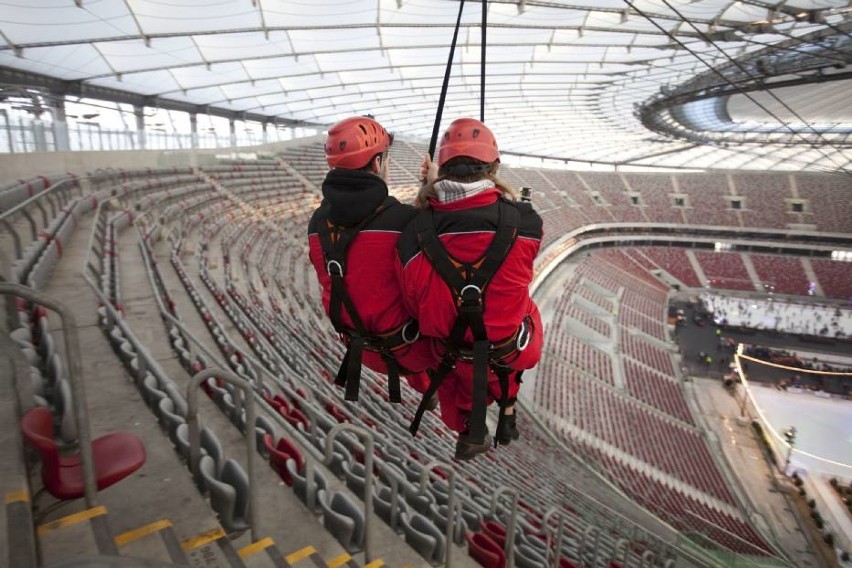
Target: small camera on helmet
point(526, 194)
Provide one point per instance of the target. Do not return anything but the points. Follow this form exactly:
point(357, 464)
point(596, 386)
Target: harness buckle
point(405, 328)
point(466, 289)
point(524, 336)
point(329, 265)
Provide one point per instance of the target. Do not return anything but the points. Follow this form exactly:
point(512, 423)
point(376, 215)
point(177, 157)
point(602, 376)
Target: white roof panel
point(26, 21)
point(563, 77)
point(65, 62)
point(129, 55)
point(147, 83)
point(182, 16)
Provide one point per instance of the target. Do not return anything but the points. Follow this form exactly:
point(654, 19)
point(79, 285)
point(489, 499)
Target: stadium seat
point(307, 491)
point(528, 557)
point(388, 510)
point(485, 551)
point(115, 456)
point(495, 531)
point(424, 537)
point(228, 495)
point(438, 513)
point(343, 519)
point(279, 454)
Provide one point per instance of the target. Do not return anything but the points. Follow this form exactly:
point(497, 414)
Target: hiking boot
point(432, 403)
point(508, 430)
point(467, 450)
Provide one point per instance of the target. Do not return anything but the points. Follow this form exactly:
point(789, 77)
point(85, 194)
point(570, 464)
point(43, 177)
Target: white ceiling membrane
point(563, 78)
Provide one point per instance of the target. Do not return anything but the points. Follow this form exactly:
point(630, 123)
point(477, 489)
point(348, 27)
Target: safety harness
point(468, 283)
point(335, 241)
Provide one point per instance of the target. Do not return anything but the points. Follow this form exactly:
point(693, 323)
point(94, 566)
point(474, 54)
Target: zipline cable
point(482, 62)
point(433, 143)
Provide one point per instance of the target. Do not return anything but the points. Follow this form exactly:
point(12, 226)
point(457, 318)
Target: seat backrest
point(426, 527)
point(223, 496)
point(286, 446)
point(213, 446)
point(337, 523)
point(37, 429)
point(528, 557)
point(234, 475)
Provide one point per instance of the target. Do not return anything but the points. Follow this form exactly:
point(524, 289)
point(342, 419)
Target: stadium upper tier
point(608, 81)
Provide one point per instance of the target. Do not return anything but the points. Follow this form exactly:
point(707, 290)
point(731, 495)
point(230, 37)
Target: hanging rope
point(482, 62)
point(434, 141)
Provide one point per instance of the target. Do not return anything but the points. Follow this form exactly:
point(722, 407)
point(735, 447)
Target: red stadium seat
point(485, 551)
point(495, 531)
point(115, 455)
point(279, 454)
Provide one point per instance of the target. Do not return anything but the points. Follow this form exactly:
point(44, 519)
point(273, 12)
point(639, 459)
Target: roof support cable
point(767, 90)
point(482, 62)
point(736, 87)
point(433, 143)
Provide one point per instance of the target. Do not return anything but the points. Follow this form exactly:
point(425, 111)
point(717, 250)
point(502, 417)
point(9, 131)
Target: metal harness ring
point(339, 268)
point(405, 328)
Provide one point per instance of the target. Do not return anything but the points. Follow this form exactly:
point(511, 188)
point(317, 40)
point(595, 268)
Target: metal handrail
point(251, 439)
point(545, 520)
point(451, 503)
point(75, 371)
point(367, 437)
point(510, 528)
point(591, 530)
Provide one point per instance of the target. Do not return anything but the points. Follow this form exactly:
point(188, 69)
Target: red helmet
point(354, 141)
point(468, 137)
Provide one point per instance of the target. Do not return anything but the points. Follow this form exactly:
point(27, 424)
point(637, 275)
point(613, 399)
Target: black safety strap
point(335, 242)
point(468, 283)
point(482, 61)
point(433, 143)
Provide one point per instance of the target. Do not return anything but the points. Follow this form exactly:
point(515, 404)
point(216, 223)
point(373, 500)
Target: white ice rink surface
point(823, 425)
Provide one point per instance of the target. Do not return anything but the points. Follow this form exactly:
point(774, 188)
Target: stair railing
point(251, 439)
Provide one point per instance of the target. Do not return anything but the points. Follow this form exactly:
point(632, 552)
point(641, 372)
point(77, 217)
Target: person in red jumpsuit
point(464, 200)
point(352, 240)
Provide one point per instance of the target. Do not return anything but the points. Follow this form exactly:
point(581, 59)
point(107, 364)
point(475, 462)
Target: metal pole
point(8, 130)
point(546, 522)
point(251, 440)
point(367, 438)
point(75, 372)
point(510, 528)
point(586, 535)
point(451, 503)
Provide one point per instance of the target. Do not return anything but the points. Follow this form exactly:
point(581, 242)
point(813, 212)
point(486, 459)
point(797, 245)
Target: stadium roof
point(615, 81)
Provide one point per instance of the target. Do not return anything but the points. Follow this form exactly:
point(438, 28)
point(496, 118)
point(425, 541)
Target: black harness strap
point(468, 282)
point(335, 242)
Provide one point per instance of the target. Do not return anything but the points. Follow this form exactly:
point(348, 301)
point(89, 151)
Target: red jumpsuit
point(371, 278)
point(466, 228)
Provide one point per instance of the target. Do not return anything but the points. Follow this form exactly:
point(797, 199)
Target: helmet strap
point(462, 170)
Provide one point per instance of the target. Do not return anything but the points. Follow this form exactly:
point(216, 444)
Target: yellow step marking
point(202, 539)
point(379, 563)
point(17, 496)
point(338, 561)
point(300, 555)
point(255, 547)
point(72, 519)
point(136, 534)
